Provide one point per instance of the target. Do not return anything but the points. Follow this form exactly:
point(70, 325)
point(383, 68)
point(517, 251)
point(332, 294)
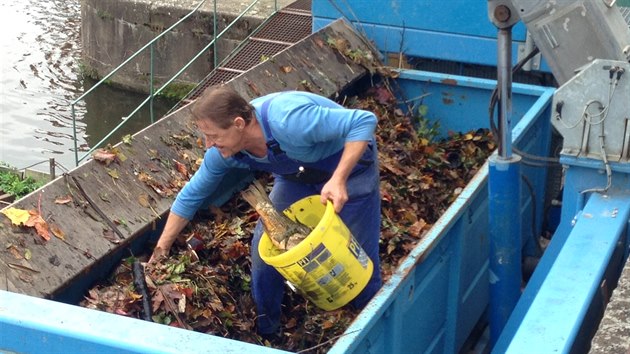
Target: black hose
point(141, 287)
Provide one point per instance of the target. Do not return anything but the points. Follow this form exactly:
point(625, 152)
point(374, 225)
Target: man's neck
point(257, 144)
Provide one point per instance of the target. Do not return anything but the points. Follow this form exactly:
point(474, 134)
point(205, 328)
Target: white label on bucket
point(357, 251)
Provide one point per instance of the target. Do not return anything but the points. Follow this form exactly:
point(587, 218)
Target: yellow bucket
point(328, 267)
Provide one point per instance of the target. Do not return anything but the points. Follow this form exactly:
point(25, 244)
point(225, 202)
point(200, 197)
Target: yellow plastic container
point(328, 267)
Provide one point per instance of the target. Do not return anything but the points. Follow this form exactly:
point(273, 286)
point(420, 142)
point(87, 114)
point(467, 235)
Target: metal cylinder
point(504, 208)
point(504, 81)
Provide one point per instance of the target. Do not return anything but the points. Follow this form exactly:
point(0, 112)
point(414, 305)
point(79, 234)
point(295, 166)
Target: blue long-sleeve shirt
point(307, 128)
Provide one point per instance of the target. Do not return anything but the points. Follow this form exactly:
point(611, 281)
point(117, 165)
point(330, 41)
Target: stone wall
point(113, 30)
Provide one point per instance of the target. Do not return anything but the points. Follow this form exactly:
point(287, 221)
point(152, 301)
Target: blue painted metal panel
point(34, 325)
point(455, 16)
point(551, 313)
point(433, 45)
point(456, 30)
point(460, 103)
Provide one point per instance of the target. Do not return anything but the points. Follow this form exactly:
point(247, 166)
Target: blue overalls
point(294, 180)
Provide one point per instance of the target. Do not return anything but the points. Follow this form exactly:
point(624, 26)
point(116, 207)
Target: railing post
point(51, 163)
point(151, 89)
point(74, 134)
point(214, 35)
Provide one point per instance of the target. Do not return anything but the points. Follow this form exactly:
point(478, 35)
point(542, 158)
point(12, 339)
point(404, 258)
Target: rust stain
point(451, 82)
point(446, 98)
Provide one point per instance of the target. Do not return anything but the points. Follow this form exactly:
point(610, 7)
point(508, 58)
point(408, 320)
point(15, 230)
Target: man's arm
point(174, 225)
point(335, 189)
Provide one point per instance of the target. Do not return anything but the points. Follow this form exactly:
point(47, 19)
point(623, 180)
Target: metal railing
point(152, 92)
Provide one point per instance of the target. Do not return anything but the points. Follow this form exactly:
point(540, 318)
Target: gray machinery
point(571, 34)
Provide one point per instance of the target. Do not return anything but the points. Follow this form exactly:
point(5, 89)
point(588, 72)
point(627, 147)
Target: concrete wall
point(113, 30)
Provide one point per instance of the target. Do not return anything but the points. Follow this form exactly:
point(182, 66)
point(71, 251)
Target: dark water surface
point(41, 75)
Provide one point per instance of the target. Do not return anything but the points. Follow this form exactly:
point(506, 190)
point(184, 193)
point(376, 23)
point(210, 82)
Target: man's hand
point(335, 191)
point(158, 254)
point(174, 225)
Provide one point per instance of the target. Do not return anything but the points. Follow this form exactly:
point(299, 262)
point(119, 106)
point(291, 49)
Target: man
point(311, 145)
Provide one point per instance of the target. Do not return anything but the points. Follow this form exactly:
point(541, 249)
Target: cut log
point(284, 232)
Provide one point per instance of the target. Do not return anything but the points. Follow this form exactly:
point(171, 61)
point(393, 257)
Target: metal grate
point(253, 53)
point(289, 25)
point(220, 76)
point(625, 12)
point(300, 6)
point(286, 27)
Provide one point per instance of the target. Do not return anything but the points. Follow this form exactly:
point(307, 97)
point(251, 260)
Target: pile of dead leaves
point(208, 289)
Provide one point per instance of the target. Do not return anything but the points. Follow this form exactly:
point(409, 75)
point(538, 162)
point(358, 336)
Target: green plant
point(177, 90)
point(104, 14)
point(425, 128)
point(86, 71)
point(12, 183)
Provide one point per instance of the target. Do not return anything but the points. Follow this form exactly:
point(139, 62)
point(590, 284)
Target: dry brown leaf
point(64, 199)
point(415, 230)
point(56, 230)
point(14, 251)
point(104, 156)
point(181, 168)
point(40, 225)
point(143, 199)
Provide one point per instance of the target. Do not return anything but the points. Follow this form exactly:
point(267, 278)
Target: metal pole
point(504, 187)
point(214, 34)
point(51, 163)
point(504, 208)
point(151, 88)
point(74, 134)
point(504, 81)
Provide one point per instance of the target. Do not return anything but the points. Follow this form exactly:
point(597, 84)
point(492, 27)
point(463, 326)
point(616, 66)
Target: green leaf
point(423, 109)
point(127, 139)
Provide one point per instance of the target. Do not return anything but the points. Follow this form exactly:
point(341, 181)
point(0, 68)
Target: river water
point(41, 75)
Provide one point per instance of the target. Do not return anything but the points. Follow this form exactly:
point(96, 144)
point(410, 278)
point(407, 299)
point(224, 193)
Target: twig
point(97, 209)
point(39, 204)
point(418, 97)
point(21, 267)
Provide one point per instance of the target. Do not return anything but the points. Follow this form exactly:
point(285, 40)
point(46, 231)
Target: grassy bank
point(13, 184)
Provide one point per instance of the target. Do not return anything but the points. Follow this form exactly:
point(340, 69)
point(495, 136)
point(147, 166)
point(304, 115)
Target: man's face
point(227, 141)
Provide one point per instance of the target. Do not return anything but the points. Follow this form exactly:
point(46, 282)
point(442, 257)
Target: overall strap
point(272, 144)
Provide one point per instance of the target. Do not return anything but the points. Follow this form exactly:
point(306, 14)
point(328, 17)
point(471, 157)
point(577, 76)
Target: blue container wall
point(430, 304)
point(461, 104)
point(440, 292)
point(454, 30)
